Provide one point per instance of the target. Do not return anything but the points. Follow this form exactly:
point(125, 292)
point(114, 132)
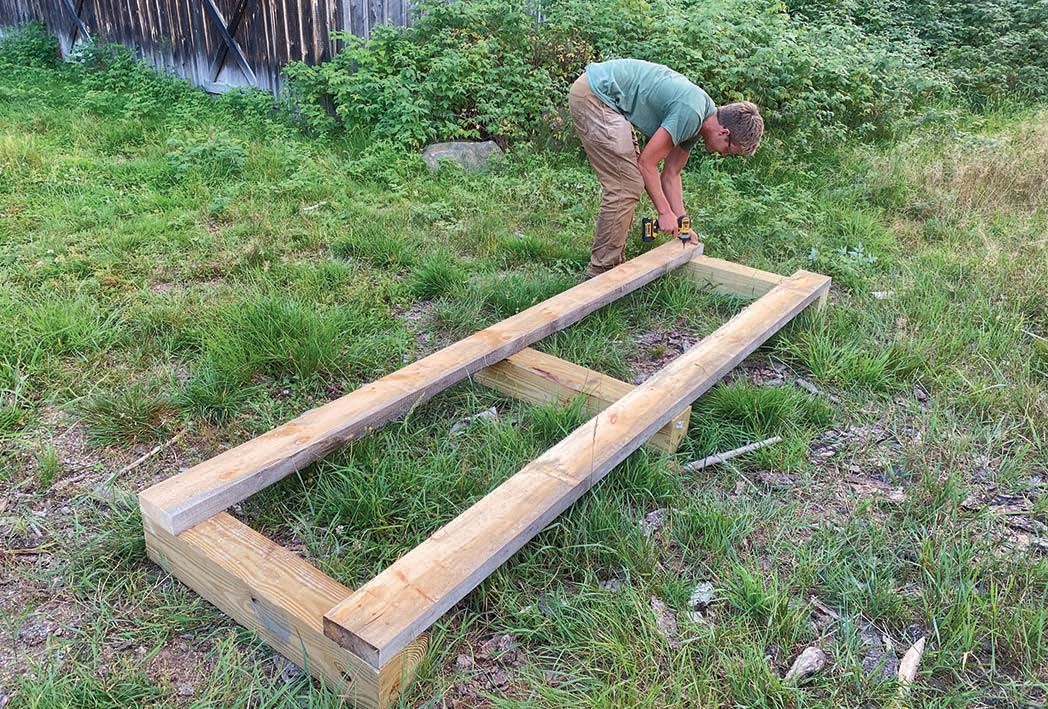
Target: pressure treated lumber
point(231, 477)
point(730, 278)
point(539, 378)
point(388, 612)
point(279, 596)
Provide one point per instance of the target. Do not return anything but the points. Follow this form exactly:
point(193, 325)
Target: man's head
point(735, 129)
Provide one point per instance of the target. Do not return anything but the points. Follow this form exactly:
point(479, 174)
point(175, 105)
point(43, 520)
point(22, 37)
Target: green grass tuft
point(436, 275)
point(128, 415)
point(280, 337)
point(510, 293)
point(48, 467)
point(213, 395)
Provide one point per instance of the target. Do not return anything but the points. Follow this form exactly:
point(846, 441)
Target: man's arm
point(660, 147)
point(670, 180)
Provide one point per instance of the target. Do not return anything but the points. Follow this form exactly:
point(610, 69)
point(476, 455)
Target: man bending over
point(612, 97)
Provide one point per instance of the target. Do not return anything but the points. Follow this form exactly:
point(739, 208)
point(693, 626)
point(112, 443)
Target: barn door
point(229, 65)
point(77, 30)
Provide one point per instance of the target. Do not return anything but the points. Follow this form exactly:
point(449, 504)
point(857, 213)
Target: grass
point(175, 262)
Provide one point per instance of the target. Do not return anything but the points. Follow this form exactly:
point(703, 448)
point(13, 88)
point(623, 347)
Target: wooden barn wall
point(186, 37)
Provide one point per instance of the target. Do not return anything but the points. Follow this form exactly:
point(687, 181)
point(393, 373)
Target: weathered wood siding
point(217, 44)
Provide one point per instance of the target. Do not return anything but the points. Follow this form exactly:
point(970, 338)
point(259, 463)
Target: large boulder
point(473, 157)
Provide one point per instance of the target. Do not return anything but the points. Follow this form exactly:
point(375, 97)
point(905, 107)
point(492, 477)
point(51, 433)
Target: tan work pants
point(611, 147)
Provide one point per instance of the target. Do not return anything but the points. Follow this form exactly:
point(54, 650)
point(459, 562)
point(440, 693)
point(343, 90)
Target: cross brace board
point(539, 378)
point(367, 644)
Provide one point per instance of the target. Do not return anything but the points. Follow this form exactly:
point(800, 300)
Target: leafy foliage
point(486, 69)
point(30, 45)
point(212, 158)
point(466, 70)
point(986, 50)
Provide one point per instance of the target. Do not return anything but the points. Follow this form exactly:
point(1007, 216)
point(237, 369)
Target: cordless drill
point(650, 226)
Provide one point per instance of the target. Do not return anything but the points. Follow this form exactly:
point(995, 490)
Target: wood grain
point(279, 596)
point(392, 609)
point(184, 500)
point(539, 378)
point(730, 278)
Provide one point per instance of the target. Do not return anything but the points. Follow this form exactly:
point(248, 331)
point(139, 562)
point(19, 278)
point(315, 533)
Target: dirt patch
point(869, 450)
point(1019, 526)
point(419, 319)
point(655, 349)
point(487, 666)
point(182, 667)
point(36, 620)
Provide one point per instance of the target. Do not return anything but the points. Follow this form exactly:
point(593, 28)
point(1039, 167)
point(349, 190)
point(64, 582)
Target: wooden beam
point(184, 500)
point(387, 613)
point(539, 378)
point(730, 278)
point(274, 593)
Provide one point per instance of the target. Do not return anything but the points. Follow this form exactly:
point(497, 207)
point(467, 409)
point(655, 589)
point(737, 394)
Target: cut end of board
point(353, 642)
point(155, 514)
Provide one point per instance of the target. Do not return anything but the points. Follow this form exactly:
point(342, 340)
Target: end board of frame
point(282, 598)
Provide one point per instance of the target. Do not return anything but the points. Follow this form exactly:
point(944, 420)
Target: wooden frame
point(367, 643)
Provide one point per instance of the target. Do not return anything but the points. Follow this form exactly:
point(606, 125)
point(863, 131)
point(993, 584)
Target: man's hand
point(694, 238)
point(668, 223)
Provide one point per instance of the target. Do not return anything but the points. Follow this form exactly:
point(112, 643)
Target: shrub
point(211, 158)
point(465, 70)
point(986, 50)
point(486, 69)
point(30, 45)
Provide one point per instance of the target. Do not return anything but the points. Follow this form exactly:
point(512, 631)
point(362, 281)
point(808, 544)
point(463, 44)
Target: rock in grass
point(702, 596)
point(653, 521)
point(665, 622)
point(472, 157)
point(776, 481)
point(880, 664)
point(491, 414)
point(807, 663)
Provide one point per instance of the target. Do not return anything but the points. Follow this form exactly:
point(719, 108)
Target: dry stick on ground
point(143, 458)
point(908, 672)
point(728, 455)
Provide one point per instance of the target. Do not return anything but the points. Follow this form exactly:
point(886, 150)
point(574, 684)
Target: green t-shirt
point(652, 96)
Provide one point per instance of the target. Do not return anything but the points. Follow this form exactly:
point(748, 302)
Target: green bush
point(30, 45)
point(211, 158)
point(986, 49)
point(465, 70)
point(810, 79)
point(487, 69)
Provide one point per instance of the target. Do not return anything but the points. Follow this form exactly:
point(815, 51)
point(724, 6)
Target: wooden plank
point(539, 378)
point(730, 278)
point(388, 612)
point(274, 593)
point(230, 477)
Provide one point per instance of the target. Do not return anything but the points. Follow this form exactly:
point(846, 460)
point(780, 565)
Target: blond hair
point(744, 121)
